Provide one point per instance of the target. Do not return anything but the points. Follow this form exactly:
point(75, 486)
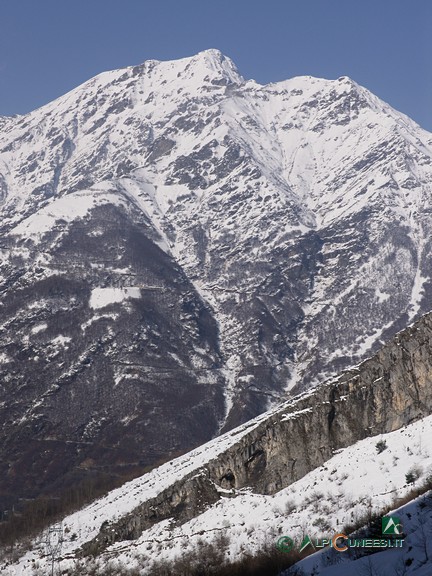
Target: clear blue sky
point(48, 47)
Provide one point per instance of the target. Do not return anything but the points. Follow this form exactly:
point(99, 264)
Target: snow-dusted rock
point(318, 463)
point(274, 234)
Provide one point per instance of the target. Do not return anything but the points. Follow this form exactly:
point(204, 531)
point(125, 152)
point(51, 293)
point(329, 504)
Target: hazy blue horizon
point(48, 48)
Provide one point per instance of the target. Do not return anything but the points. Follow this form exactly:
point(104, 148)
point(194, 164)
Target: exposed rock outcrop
point(384, 393)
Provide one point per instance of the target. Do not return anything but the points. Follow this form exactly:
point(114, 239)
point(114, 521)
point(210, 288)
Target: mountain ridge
point(272, 235)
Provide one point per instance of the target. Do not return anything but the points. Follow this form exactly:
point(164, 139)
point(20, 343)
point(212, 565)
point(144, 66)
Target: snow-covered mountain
point(181, 248)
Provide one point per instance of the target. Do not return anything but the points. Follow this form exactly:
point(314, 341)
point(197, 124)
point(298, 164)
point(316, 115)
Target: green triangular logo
point(391, 525)
point(305, 543)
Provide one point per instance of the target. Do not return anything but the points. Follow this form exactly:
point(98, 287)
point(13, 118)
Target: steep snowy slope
point(349, 450)
point(413, 558)
point(181, 247)
point(353, 484)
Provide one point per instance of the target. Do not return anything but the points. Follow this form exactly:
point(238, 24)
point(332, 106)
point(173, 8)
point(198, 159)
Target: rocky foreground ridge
point(385, 393)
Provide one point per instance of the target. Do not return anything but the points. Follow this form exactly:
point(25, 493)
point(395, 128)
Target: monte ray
point(181, 248)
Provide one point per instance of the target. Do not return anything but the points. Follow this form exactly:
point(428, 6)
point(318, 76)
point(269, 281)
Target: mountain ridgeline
point(182, 249)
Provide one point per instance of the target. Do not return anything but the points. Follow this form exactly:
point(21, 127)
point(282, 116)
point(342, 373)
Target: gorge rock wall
point(383, 394)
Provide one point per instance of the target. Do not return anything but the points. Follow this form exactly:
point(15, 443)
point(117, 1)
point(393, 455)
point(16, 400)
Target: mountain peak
point(213, 57)
point(214, 61)
point(206, 66)
point(258, 227)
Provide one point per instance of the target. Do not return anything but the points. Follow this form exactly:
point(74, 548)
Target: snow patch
point(64, 210)
point(381, 296)
point(62, 341)
point(4, 358)
point(101, 297)
point(39, 328)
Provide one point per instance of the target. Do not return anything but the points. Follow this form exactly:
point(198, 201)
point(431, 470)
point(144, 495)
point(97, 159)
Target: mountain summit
point(182, 248)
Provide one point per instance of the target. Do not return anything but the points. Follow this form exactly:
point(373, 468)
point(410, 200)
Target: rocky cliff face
point(385, 393)
point(181, 247)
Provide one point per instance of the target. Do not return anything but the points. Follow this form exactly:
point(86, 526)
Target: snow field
point(354, 482)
